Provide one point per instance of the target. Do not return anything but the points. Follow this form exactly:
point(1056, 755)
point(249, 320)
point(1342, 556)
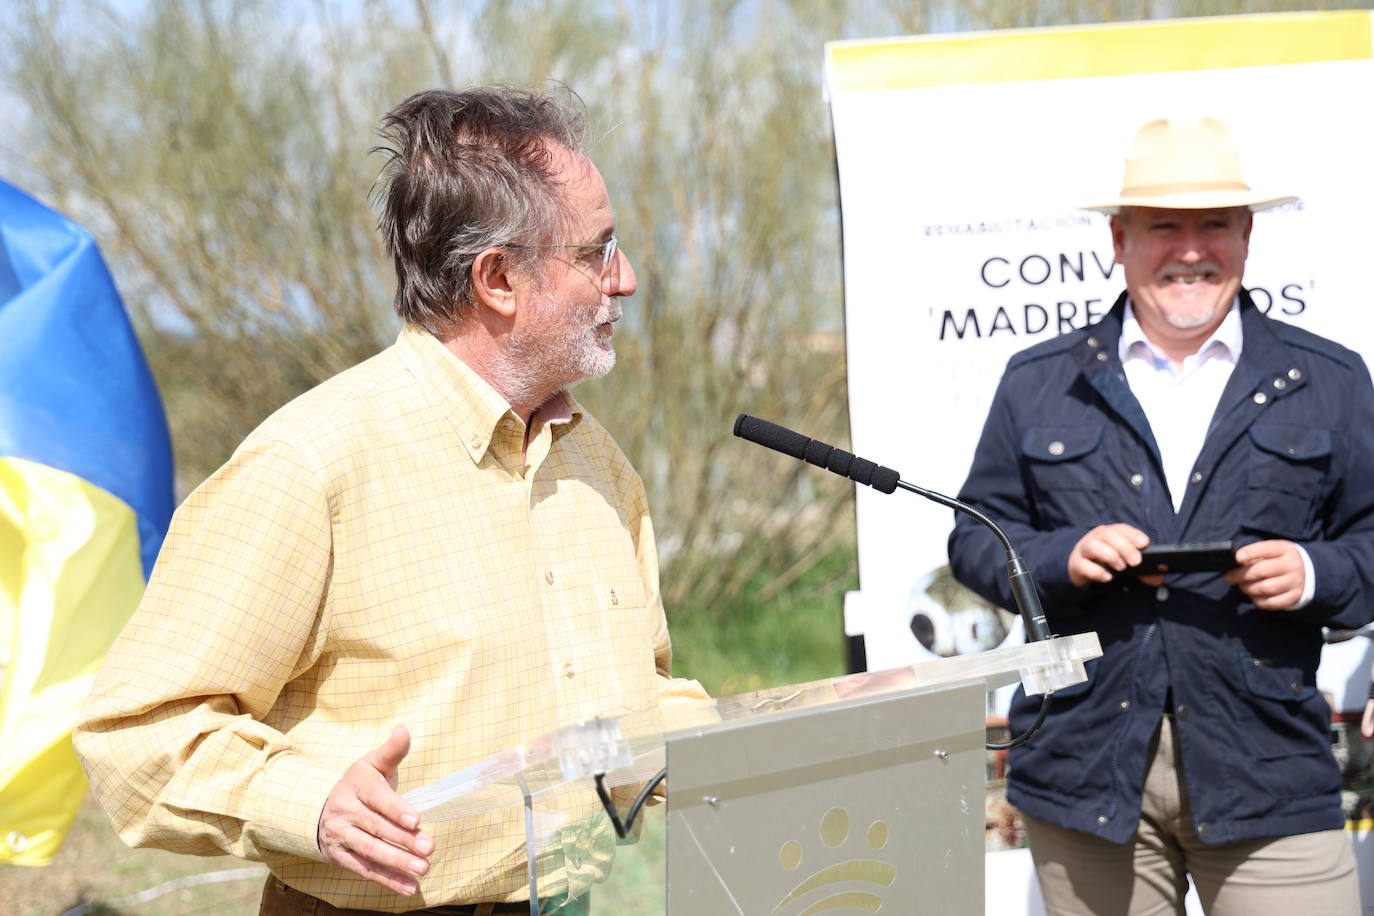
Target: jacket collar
point(1096, 353)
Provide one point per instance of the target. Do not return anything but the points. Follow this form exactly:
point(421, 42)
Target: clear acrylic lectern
point(861, 794)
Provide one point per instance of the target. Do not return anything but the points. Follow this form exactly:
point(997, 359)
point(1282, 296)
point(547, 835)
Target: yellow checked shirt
point(377, 552)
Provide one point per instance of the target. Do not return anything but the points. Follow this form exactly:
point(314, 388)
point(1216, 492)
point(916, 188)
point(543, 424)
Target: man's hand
point(1105, 551)
point(367, 828)
point(1270, 574)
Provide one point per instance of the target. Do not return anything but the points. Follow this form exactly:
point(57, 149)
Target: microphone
point(886, 480)
point(782, 439)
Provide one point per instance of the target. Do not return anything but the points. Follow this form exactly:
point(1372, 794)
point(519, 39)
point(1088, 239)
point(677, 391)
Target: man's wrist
point(292, 795)
point(1309, 579)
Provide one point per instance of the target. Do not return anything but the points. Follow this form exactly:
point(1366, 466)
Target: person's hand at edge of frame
point(370, 830)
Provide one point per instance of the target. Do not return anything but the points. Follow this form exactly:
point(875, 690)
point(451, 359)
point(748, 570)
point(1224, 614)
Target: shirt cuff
point(290, 795)
point(1309, 580)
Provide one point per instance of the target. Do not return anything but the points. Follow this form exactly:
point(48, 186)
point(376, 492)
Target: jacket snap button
point(1162, 593)
point(1056, 448)
point(1092, 342)
point(1125, 704)
point(1260, 397)
point(1297, 688)
point(1102, 818)
point(1102, 356)
point(1204, 829)
point(1197, 477)
point(1294, 374)
point(1183, 711)
point(1280, 384)
point(1137, 479)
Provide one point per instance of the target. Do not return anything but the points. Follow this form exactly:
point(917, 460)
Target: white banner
point(961, 162)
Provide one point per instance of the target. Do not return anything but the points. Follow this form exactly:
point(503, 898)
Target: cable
point(623, 830)
point(1025, 735)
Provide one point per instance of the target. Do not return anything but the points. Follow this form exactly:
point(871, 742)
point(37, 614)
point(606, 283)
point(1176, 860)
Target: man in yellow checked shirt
point(429, 558)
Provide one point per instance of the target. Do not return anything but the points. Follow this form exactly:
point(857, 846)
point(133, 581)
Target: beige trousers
point(1310, 874)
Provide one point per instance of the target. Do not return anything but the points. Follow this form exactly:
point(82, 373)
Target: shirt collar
point(1226, 341)
point(475, 408)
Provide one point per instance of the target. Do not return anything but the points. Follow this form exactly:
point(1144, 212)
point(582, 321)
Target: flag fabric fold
point(85, 499)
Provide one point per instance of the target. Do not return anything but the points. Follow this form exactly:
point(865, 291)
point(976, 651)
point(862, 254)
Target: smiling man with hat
point(1199, 745)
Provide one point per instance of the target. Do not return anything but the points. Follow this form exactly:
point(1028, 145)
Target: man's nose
point(620, 276)
point(1191, 245)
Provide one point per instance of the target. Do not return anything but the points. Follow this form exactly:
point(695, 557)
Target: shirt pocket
point(1288, 468)
point(1065, 467)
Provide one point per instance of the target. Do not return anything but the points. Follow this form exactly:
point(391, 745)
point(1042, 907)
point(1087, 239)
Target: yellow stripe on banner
point(70, 576)
point(1101, 50)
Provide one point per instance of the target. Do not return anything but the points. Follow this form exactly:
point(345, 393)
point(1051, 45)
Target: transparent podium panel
point(861, 793)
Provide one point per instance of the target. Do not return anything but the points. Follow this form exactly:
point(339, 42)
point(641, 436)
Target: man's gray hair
point(466, 171)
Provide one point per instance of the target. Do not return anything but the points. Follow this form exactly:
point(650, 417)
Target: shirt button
point(1137, 479)
point(1056, 448)
point(548, 576)
point(1162, 593)
point(1183, 711)
point(1294, 374)
point(1197, 477)
point(1260, 397)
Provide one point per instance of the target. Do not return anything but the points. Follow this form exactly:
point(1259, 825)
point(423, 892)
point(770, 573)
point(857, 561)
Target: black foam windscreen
point(838, 461)
point(770, 435)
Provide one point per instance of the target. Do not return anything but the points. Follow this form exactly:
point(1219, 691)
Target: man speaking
point(1199, 744)
point(432, 557)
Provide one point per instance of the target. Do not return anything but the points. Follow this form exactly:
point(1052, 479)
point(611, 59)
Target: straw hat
point(1185, 165)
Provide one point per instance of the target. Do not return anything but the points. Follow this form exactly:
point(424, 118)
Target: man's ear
point(1118, 237)
point(492, 283)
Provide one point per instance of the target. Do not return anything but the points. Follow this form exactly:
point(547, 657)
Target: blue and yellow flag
point(85, 498)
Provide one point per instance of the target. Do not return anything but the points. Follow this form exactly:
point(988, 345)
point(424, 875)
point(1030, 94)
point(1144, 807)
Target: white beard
point(535, 365)
point(1188, 322)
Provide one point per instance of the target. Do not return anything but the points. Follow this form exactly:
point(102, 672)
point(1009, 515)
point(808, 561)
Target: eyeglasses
point(608, 250)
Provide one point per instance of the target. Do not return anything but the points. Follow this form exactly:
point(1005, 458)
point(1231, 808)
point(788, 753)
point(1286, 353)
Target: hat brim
point(1194, 200)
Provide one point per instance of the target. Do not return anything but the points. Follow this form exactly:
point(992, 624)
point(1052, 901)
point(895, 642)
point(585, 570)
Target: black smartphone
point(1216, 556)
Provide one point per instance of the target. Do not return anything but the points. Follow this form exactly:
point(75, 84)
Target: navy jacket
point(1289, 454)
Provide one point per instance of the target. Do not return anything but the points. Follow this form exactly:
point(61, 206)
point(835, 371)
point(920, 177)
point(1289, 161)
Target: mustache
point(1178, 267)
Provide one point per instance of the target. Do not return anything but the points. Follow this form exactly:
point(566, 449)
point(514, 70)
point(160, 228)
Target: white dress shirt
point(1179, 401)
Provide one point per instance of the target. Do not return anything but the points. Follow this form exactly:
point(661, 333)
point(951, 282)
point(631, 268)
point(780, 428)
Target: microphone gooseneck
point(886, 480)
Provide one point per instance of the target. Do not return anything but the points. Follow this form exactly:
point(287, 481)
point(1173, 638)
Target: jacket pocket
point(1271, 681)
point(1065, 469)
point(1289, 463)
point(1283, 736)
